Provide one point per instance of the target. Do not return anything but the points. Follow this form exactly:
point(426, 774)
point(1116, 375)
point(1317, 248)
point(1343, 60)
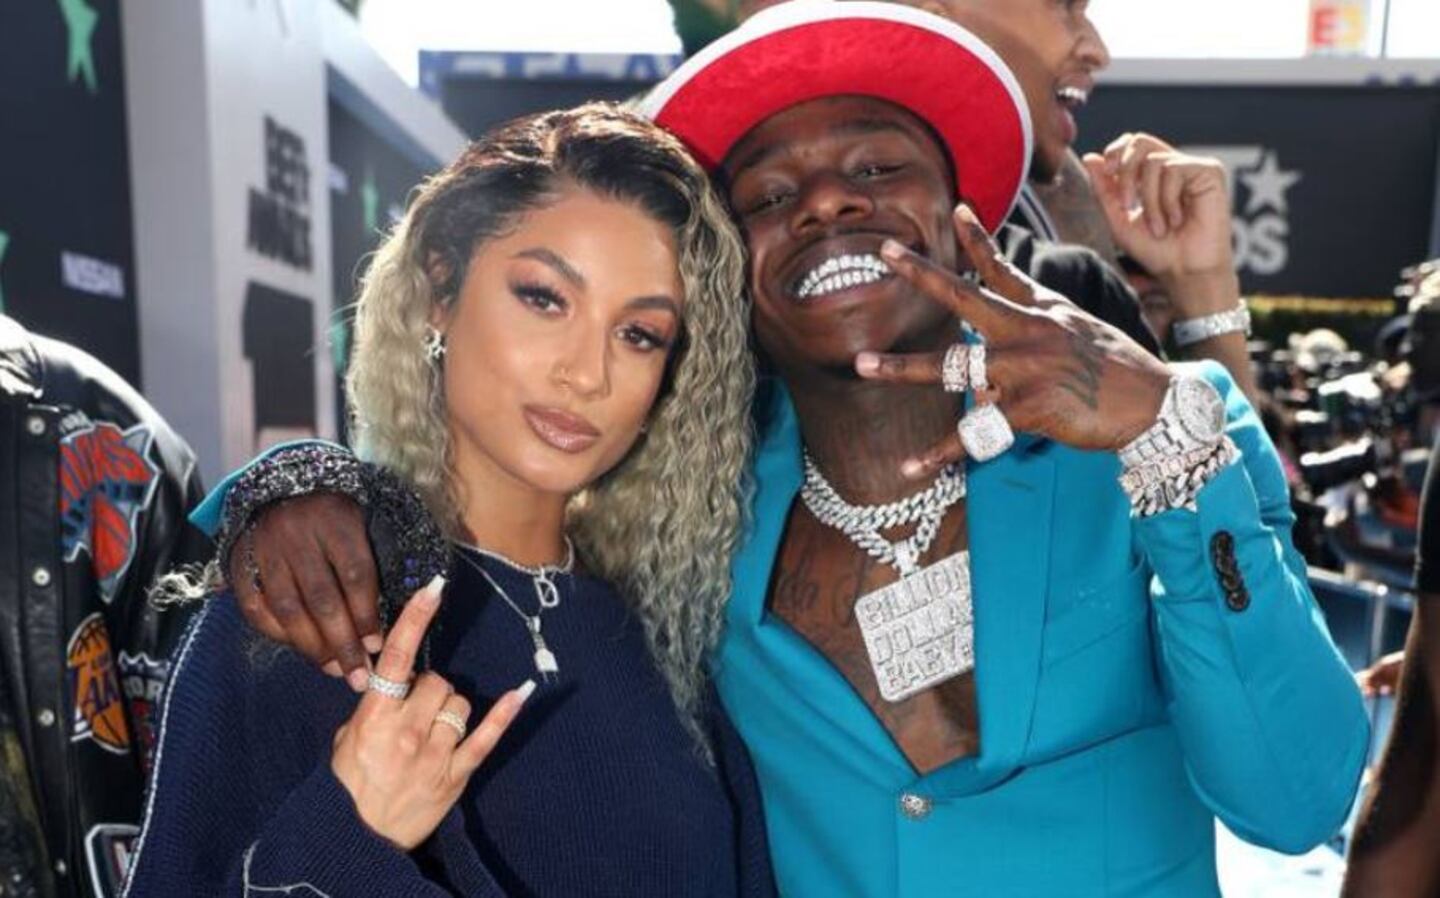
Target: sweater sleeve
point(755, 876)
point(1271, 722)
point(242, 810)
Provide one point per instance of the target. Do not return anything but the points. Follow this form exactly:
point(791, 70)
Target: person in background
point(94, 490)
point(1393, 851)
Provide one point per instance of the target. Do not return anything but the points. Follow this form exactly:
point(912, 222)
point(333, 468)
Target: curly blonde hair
point(663, 524)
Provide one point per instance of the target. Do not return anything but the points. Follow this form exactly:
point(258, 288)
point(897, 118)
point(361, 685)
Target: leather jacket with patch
point(94, 489)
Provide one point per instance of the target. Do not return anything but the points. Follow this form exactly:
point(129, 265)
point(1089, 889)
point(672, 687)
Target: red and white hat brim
point(809, 49)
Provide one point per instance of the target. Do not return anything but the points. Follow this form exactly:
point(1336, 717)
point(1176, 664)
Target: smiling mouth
point(839, 273)
point(1072, 97)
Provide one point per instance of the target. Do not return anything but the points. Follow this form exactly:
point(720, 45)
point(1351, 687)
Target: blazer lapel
point(1010, 502)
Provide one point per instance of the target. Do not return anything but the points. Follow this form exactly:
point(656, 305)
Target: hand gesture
point(1168, 210)
point(405, 761)
point(1053, 369)
point(305, 577)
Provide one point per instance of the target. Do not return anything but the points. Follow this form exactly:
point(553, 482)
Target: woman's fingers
point(450, 724)
point(471, 753)
point(397, 657)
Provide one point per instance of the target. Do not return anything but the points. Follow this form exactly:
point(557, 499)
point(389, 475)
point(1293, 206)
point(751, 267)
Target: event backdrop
point(1333, 187)
point(370, 181)
point(66, 248)
point(478, 90)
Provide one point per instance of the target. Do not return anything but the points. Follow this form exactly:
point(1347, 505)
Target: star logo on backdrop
point(370, 199)
point(4, 242)
point(1268, 184)
point(80, 22)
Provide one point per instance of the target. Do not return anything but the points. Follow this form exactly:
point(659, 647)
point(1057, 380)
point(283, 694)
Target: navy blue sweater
point(596, 789)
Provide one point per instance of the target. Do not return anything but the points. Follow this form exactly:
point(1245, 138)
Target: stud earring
point(434, 344)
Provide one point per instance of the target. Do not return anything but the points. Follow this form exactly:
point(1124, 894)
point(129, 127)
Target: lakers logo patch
point(94, 689)
point(106, 480)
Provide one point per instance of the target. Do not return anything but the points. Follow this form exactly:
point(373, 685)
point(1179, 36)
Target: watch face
point(1200, 409)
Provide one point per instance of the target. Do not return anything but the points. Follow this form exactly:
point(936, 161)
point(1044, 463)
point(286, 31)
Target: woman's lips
point(562, 430)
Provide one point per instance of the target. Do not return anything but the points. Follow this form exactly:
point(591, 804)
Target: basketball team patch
point(94, 689)
point(109, 848)
point(142, 680)
point(106, 480)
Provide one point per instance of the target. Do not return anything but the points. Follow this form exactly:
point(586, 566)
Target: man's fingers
point(477, 746)
point(397, 658)
point(329, 610)
point(928, 463)
point(347, 547)
point(989, 262)
point(1172, 195)
point(1151, 173)
point(919, 368)
point(943, 286)
point(1107, 190)
point(282, 598)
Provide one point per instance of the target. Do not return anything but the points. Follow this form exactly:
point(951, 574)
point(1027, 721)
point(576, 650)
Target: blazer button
point(916, 807)
point(1237, 599)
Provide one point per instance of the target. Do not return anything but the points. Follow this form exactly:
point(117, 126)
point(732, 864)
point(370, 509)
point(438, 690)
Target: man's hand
point(1054, 370)
point(1168, 210)
point(1382, 677)
point(304, 576)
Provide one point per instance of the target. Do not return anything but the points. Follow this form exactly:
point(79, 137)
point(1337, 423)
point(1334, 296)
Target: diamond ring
point(388, 688)
point(955, 371)
point(979, 380)
point(452, 720)
point(985, 432)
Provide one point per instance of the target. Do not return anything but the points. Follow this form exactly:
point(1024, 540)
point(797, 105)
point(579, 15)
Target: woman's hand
point(1053, 369)
point(402, 763)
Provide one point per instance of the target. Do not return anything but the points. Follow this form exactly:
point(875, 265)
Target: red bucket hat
point(808, 49)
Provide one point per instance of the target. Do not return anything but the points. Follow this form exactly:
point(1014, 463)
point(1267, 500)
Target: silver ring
point(955, 370)
point(985, 432)
point(452, 720)
point(978, 377)
point(388, 688)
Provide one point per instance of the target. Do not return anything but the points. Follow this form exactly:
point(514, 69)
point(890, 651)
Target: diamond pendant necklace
point(919, 630)
point(545, 590)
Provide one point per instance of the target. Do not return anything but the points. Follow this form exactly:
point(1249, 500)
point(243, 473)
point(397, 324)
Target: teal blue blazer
point(1123, 703)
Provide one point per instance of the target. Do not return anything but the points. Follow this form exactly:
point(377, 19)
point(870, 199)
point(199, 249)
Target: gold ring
point(452, 720)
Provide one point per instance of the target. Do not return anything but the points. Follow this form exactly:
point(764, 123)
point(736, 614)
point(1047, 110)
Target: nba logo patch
point(94, 689)
point(106, 480)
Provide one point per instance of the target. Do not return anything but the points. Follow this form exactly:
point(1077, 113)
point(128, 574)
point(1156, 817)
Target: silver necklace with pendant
point(546, 592)
point(918, 631)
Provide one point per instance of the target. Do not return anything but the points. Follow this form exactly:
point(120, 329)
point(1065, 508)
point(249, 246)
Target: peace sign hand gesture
point(1052, 369)
point(403, 755)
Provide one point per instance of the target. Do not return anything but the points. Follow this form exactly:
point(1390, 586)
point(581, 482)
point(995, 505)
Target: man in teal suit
point(1049, 669)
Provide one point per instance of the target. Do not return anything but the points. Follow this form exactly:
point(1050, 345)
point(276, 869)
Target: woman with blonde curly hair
point(552, 351)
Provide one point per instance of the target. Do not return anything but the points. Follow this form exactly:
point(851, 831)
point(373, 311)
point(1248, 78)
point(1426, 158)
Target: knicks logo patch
point(94, 689)
point(106, 480)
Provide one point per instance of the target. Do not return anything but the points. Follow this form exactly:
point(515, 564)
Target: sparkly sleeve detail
point(408, 544)
point(410, 548)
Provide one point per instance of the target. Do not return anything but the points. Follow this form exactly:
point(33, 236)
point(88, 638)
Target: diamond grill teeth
point(840, 272)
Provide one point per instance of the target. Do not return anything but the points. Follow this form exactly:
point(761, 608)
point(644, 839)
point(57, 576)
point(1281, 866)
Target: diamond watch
point(1166, 466)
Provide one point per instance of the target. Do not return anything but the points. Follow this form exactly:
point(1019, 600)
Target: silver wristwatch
point(1166, 466)
point(1193, 330)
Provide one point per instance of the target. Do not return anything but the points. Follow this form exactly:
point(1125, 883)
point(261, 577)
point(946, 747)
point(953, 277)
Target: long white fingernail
point(525, 690)
point(434, 588)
